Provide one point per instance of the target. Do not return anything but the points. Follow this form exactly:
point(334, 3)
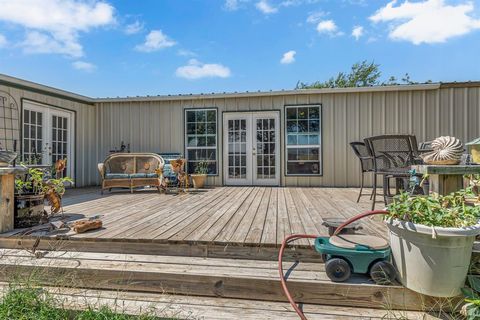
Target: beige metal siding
point(85, 158)
point(157, 126)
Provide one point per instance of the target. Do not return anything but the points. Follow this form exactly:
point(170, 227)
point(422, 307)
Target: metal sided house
point(277, 138)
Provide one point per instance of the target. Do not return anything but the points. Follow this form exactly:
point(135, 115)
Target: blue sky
point(149, 47)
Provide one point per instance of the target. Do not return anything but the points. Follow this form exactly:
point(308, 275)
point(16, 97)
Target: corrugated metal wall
point(86, 159)
point(157, 126)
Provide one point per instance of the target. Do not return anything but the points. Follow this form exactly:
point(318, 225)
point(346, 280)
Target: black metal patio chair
point(366, 162)
point(392, 156)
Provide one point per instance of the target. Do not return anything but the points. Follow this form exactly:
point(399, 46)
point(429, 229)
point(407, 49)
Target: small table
point(445, 179)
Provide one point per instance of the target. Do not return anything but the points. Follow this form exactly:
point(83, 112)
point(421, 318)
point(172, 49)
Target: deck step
point(226, 278)
point(195, 307)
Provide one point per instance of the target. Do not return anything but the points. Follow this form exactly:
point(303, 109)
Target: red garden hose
point(294, 237)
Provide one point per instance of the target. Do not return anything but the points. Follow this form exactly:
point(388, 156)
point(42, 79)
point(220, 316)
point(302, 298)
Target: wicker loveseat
point(129, 170)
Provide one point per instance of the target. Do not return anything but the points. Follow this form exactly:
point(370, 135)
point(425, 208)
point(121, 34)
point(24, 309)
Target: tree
point(362, 74)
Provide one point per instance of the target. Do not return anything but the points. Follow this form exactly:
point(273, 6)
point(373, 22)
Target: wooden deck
point(224, 215)
point(220, 243)
point(218, 219)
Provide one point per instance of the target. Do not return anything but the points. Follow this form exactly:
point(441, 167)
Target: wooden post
point(7, 186)
point(445, 184)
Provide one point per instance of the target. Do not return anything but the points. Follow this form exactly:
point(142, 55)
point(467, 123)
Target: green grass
point(36, 304)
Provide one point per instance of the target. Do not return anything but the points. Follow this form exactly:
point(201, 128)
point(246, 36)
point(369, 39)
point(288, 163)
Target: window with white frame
point(303, 140)
point(201, 139)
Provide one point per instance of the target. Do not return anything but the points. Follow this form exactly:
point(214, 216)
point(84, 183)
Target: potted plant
point(31, 190)
point(199, 177)
point(29, 199)
point(431, 238)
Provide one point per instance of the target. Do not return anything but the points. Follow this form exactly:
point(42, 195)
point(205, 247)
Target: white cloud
point(197, 70)
point(429, 21)
point(3, 41)
point(186, 53)
point(133, 28)
point(38, 42)
point(231, 5)
point(357, 32)
point(328, 27)
point(84, 66)
point(154, 41)
point(314, 17)
point(265, 7)
point(288, 57)
point(56, 23)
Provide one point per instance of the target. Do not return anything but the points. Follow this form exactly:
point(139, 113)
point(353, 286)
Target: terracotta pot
point(199, 180)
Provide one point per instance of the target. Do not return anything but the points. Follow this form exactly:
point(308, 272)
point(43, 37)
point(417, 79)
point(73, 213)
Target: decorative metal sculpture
point(9, 128)
point(446, 150)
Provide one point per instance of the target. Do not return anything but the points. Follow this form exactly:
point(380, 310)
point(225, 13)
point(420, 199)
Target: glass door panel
point(238, 150)
point(47, 136)
point(265, 162)
point(33, 137)
point(251, 154)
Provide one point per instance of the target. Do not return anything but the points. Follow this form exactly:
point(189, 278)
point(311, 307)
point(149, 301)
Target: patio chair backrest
point(391, 152)
point(363, 154)
point(132, 163)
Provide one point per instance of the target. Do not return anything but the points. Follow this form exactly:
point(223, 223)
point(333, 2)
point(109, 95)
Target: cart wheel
point(338, 270)
point(383, 273)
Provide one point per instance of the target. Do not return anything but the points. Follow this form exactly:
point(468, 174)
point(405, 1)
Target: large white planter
point(432, 261)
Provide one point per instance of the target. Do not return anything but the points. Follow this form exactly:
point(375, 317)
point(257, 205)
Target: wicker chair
point(392, 157)
point(366, 163)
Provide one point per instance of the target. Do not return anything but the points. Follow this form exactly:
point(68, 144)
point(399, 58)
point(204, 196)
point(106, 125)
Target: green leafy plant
point(471, 309)
point(32, 183)
point(201, 167)
point(438, 211)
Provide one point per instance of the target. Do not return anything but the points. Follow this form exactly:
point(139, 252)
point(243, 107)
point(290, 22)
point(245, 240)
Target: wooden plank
point(7, 187)
point(187, 225)
point(231, 226)
point(215, 231)
point(177, 306)
point(137, 228)
point(269, 234)
point(254, 235)
point(164, 247)
point(295, 219)
point(198, 227)
point(219, 280)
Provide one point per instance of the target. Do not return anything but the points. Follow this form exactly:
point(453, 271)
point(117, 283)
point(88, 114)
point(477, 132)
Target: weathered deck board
point(195, 307)
point(242, 216)
point(227, 278)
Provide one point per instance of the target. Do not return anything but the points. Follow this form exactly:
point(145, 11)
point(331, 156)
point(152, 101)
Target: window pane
point(302, 113)
point(292, 126)
point(201, 132)
point(291, 113)
point(303, 126)
point(211, 141)
point(314, 113)
point(191, 128)
point(200, 128)
point(200, 116)
point(211, 128)
point(211, 116)
point(190, 116)
point(291, 139)
point(303, 168)
point(302, 139)
point(314, 126)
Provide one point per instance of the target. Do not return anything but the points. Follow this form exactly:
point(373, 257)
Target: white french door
point(48, 135)
point(251, 148)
